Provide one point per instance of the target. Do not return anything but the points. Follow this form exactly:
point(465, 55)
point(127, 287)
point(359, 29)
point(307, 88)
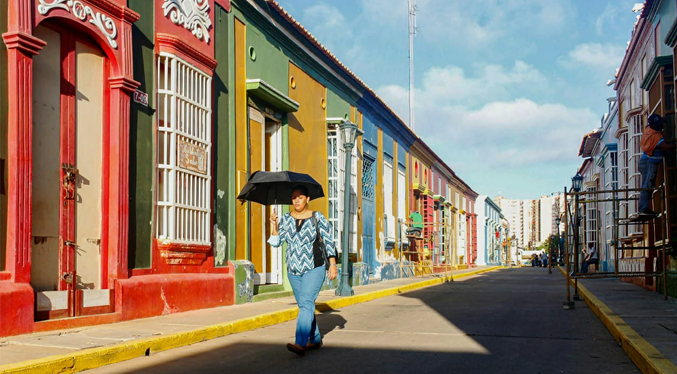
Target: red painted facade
point(173, 279)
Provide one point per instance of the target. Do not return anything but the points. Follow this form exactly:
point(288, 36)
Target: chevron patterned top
point(300, 257)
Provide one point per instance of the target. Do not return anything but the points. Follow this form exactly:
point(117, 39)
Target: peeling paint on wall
point(219, 247)
point(244, 281)
point(220, 193)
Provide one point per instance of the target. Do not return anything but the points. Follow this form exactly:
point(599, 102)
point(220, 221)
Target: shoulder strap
point(317, 226)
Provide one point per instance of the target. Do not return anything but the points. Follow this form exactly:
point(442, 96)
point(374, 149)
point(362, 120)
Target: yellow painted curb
point(102, 356)
point(647, 358)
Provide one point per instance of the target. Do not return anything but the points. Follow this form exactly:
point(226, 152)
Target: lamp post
point(558, 221)
point(349, 133)
point(576, 185)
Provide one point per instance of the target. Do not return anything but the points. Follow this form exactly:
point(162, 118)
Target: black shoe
point(648, 212)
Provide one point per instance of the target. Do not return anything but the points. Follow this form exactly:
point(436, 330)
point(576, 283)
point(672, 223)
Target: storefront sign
point(192, 157)
point(141, 98)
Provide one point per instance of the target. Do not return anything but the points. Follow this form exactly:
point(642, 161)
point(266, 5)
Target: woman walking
point(305, 263)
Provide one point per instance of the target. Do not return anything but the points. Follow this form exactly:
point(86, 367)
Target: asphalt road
point(507, 321)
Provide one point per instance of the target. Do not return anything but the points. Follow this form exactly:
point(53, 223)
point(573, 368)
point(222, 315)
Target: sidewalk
point(74, 350)
point(641, 321)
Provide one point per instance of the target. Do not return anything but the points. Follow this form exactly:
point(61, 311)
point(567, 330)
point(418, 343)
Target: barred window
point(623, 182)
point(183, 152)
point(368, 179)
point(634, 155)
point(336, 160)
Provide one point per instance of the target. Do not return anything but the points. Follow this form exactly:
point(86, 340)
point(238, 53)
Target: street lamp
point(349, 133)
point(577, 182)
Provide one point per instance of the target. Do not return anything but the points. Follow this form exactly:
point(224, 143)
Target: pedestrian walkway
point(641, 321)
point(74, 350)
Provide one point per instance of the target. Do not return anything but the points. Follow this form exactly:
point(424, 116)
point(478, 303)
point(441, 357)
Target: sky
point(505, 90)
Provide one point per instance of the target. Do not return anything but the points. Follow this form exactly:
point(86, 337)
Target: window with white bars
point(336, 171)
point(610, 184)
point(591, 219)
point(623, 182)
point(334, 178)
point(388, 199)
point(183, 152)
point(634, 155)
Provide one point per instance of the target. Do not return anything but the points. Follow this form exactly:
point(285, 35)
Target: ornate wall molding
point(81, 11)
point(191, 14)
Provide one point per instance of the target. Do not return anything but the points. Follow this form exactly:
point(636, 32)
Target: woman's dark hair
point(302, 188)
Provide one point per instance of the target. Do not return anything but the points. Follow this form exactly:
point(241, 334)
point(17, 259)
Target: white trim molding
point(191, 14)
point(104, 23)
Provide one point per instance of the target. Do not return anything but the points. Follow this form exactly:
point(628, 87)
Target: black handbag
point(320, 243)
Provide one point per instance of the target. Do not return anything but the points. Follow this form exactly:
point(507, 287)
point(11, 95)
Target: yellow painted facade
point(308, 131)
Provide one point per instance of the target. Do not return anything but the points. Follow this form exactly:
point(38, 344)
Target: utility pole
point(413, 8)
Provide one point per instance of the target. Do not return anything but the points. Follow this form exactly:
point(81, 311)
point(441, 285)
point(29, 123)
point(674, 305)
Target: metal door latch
point(68, 278)
point(69, 172)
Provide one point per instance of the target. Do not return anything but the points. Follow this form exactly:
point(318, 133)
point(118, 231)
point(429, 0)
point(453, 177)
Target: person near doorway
point(653, 146)
point(590, 258)
point(306, 269)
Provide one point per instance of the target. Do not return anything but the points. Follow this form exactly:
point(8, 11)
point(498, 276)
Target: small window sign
point(141, 98)
point(192, 157)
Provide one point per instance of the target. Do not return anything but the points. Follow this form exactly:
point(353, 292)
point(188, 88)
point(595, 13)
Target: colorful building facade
point(133, 124)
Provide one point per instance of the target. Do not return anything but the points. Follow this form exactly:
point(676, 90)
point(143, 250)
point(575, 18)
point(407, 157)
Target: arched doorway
point(69, 112)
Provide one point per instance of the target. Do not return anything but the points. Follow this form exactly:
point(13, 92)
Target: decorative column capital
point(125, 84)
point(24, 42)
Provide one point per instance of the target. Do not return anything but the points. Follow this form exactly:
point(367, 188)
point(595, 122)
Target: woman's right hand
point(274, 221)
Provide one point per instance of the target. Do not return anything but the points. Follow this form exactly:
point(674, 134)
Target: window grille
point(336, 171)
point(183, 152)
point(634, 155)
point(368, 179)
point(623, 182)
point(591, 219)
point(388, 197)
point(610, 184)
point(334, 182)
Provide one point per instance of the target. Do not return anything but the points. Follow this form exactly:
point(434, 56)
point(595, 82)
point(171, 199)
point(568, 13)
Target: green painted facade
point(223, 173)
point(141, 139)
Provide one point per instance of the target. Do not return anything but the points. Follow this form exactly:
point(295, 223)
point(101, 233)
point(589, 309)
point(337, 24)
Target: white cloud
point(605, 57)
point(473, 124)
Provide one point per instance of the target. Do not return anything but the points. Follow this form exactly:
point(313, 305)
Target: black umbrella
point(270, 188)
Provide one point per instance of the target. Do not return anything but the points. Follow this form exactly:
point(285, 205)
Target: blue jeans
point(306, 287)
point(648, 171)
point(586, 264)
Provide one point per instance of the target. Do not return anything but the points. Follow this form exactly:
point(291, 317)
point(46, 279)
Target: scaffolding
point(429, 251)
point(577, 201)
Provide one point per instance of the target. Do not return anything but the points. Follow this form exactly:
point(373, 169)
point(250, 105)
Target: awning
point(270, 95)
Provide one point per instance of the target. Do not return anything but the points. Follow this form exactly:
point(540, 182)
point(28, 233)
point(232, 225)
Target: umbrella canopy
point(271, 188)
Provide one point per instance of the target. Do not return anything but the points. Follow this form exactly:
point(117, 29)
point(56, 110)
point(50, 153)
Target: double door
point(67, 272)
point(265, 153)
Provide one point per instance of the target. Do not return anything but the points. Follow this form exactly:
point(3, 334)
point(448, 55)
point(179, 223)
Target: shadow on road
point(509, 321)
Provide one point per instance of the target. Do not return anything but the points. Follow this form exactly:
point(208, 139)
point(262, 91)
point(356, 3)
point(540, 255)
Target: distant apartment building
point(531, 221)
point(512, 211)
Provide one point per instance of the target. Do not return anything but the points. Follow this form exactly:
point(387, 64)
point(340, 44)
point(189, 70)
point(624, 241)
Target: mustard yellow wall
point(379, 196)
point(241, 215)
point(399, 215)
point(308, 131)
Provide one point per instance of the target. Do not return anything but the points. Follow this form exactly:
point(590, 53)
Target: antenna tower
point(413, 29)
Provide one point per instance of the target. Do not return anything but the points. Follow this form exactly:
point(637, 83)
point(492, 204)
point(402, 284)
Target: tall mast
point(413, 8)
